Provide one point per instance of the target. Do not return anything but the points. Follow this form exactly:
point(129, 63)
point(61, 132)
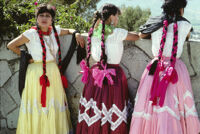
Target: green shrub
point(16, 16)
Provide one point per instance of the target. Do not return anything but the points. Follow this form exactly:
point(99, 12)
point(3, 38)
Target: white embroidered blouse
point(34, 45)
point(184, 28)
point(113, 46)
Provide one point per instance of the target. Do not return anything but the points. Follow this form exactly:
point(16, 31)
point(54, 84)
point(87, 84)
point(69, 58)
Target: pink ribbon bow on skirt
point(99, 75)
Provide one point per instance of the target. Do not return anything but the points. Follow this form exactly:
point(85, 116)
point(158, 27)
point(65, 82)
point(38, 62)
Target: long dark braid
point(58, 43)
point(103, 55)
point(43, 49)
point(162, 44)
point(175, 43)
point(159, 87)
point(63, 78)
point(44, 81)
point(107, 11)
point(97, 16)
point(173, 76)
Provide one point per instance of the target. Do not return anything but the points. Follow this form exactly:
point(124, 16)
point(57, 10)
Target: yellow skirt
point(55, 117)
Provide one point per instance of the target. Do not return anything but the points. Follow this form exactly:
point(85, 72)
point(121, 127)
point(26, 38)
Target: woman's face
point(44, 20)
point(114, 19)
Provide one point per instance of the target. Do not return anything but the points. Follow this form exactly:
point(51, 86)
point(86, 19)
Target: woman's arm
point(80, 40)
point(132, 36)
point(144, 36)
point(188, 36)
point(15, 43)
point(65, 31)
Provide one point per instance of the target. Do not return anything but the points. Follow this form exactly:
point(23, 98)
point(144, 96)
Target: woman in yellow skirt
point(44, 108)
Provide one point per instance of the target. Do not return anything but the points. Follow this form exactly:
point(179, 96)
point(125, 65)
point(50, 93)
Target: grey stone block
point(12, 87)
point(3, 123)
point(132, 87)
point(73, 101)
point(12, 119)
point(195, 52)
point(7, 103)
point(7, 131)
point(126, 71)
point(14, 65)
point(145, 45)
point(5, 72)
point(135, 60)
point(7, 54)
point(78, 85)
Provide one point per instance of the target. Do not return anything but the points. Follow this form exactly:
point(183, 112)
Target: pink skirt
point(104, 110)
point(178, 114)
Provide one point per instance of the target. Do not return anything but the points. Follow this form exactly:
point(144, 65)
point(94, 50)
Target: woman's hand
point(31, 61)
point(144, 36)
point(80, 40)
point(132, 36)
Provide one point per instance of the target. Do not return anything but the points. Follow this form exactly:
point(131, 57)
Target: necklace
point(50, 45)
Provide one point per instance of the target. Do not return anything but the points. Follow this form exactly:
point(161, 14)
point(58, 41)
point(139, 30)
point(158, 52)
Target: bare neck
point(44, 29)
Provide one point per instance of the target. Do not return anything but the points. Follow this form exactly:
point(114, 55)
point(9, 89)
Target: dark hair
point(108, 10)
point(104, 14)
point(172, 7)
point(43, 8)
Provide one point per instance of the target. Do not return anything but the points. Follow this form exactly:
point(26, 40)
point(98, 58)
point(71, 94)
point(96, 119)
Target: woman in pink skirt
point(164, 103)
point(103, 104)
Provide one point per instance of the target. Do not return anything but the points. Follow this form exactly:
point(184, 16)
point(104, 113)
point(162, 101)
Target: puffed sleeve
point(187, 27)
point(29, 34)
point(58, 29)
point(120, 34)
point(184, 28)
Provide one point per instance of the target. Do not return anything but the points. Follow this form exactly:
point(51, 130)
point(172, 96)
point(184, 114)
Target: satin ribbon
point(84, 71)
point(44, 82)
point(99, 75)
point(161, 81)
point(169, 76)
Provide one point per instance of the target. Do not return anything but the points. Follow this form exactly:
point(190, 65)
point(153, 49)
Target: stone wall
point(136, 56)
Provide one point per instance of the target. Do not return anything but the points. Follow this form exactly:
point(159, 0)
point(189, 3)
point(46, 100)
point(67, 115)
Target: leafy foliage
point(132, 18)
point(17, 16)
